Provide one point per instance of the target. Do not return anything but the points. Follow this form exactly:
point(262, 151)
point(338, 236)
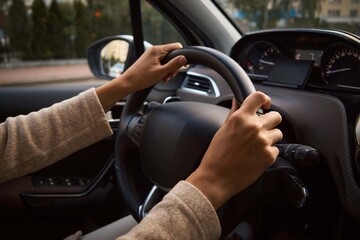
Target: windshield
point(263, 14)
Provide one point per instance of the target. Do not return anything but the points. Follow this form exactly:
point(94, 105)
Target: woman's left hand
point(148, 70)
point(145, 72)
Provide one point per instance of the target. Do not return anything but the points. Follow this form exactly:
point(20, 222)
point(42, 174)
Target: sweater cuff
point(201, 206)
point(96, 110)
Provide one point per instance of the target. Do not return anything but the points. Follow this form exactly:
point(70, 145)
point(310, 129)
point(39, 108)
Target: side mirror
point(111, 56)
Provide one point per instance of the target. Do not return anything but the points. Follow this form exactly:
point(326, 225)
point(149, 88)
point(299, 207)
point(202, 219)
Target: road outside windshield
point(262, 14)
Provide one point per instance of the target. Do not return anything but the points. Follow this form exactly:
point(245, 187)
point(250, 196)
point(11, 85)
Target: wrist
point(128, 81)
point(210, 187)
point(112, 92)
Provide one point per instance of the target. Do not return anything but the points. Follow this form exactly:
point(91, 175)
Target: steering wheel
point(172, 138)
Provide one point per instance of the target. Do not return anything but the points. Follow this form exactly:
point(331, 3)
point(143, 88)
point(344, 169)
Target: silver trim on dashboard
point(212, 82)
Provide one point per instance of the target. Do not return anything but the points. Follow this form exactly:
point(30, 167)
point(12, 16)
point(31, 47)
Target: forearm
point(34, 141)
point(114, 91)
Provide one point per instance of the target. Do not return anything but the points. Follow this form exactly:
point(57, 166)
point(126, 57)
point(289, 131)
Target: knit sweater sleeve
point(184, 213)
point(31, 142)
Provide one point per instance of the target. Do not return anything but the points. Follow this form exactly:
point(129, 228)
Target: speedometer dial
point(259, 59)
point(340, 66)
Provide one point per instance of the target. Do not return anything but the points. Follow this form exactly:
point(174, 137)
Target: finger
point(271, 119)
point(274, 153)
point(175, 63)
point(172, 46)
point(171, 68)
point(234, 106)
point(170, 75)
point(255, 101)
point(274, 136)
point(169, 48)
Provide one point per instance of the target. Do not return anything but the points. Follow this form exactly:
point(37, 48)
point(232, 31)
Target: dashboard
point(301, 58)
point(313, 79)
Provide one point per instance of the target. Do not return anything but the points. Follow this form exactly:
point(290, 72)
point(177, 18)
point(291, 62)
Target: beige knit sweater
point(34, 141)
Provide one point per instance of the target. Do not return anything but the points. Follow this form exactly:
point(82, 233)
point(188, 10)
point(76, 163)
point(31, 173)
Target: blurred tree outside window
point(19, 32)
point(63, 29)
point(264, 14)
point(57, 29)
point(40, 48)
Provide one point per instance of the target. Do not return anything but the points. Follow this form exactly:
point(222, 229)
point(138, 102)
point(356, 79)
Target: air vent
point(200, 83)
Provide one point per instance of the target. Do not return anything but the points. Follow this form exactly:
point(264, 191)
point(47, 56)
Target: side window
point(41, 37)
point(157, 29)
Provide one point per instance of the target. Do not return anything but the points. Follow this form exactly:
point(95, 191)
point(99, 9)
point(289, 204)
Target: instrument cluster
point(299, 58)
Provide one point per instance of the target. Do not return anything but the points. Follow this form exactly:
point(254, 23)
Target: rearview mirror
point(109, 57)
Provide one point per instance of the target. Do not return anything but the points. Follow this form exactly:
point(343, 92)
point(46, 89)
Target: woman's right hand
point(239, 152)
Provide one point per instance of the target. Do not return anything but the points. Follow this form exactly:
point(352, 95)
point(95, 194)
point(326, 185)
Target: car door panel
point(74, 187)
point(22, 99)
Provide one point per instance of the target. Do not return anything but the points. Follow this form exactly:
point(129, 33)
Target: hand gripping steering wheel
point(171, 139)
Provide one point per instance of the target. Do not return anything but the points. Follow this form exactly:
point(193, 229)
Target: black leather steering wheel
point(173, 137)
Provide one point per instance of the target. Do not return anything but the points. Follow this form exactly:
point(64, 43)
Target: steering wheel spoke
point(135, 128)
point(155, 195)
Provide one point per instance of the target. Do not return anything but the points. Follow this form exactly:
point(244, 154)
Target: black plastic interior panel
point(15, 100)
point(320, 121)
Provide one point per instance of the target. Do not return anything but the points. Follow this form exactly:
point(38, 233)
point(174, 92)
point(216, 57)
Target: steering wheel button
point(141, 120)
point(138, 130)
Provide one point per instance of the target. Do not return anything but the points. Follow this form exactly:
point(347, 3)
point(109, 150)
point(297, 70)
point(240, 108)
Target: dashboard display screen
point(313, 55)
point(290, 72)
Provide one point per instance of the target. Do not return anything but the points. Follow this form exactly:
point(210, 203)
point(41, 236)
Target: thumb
point(172, 67)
